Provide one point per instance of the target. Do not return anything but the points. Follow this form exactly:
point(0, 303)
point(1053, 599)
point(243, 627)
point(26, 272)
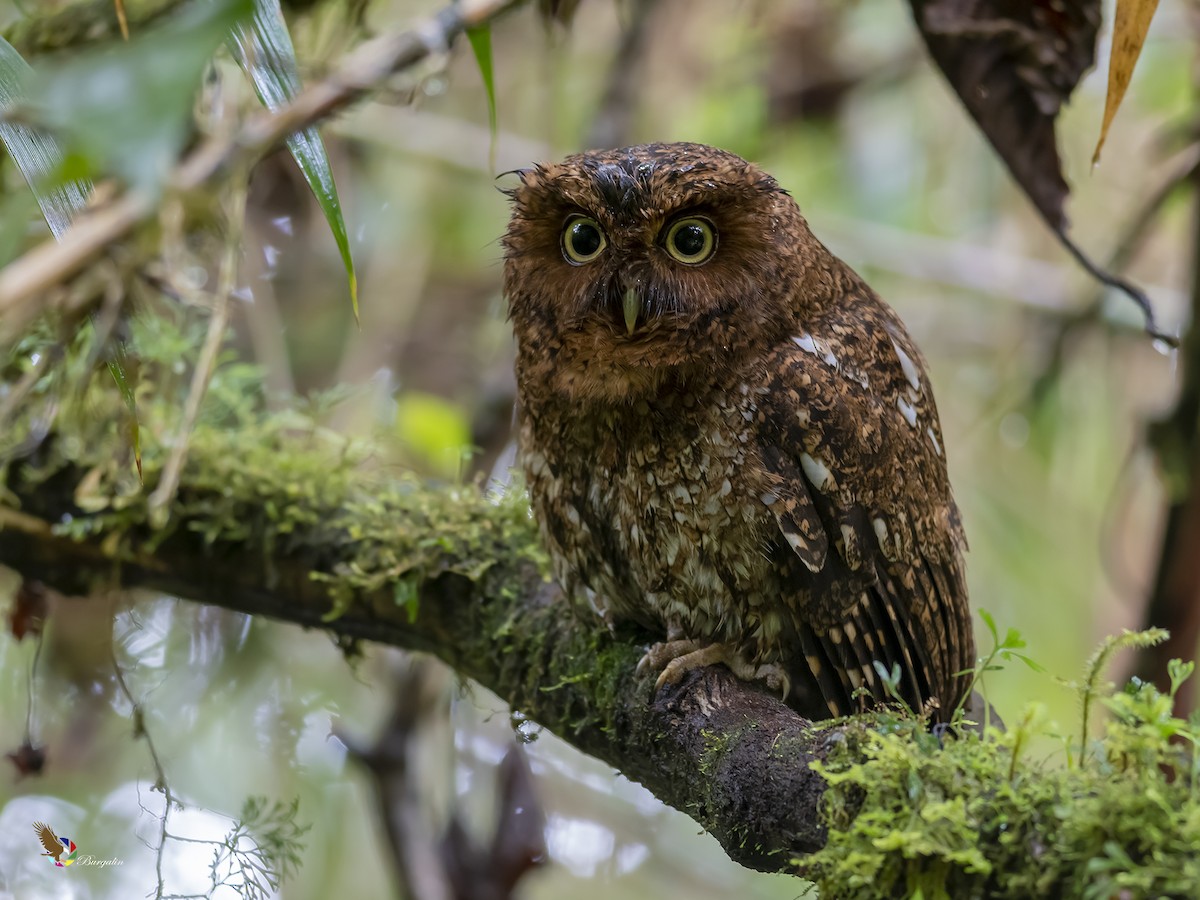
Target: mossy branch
point(273, 521)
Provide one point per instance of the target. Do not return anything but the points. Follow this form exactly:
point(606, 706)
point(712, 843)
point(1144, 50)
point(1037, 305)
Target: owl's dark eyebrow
point(620, 188)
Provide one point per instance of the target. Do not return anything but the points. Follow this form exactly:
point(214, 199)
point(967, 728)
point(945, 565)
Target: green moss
point(971, 816)
point(281, 480)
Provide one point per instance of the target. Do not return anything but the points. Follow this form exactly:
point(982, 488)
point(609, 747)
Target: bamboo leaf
point(264, 49)
point(126, 109)
point(40, 161)
point(1130, 24)
point(38, 156)
point(118, 366)
point(481, 45)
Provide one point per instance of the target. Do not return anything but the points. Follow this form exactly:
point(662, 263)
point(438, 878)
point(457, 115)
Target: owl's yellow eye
point(583, 240)
point(691, 240)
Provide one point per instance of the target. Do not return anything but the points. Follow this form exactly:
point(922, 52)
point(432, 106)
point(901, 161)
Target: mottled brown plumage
point(727, 436)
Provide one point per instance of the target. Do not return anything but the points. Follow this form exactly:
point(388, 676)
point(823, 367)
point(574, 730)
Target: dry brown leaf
point(1130, 24)
point(1013, 64)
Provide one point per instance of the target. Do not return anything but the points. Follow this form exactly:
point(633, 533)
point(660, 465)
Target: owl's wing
point(870, 542)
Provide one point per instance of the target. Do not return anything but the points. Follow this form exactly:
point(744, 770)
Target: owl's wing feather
point(870, 554)
point(848, 611)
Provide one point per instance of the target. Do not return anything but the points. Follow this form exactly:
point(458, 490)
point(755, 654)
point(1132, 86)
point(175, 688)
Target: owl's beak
point(631, 306)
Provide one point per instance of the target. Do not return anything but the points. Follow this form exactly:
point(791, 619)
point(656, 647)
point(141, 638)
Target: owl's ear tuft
point(521, 173)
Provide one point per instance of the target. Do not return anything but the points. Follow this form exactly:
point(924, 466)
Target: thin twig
point(161, 499)
point(160, 774)
point(25, 281)
point(31, 696)
point(1128, 288)
point(1130, 242)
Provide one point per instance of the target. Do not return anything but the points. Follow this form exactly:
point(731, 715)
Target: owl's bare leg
point(677, 658)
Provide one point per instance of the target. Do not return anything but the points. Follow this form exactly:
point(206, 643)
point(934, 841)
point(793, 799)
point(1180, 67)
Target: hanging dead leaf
point(28, 613)
point(28, 759)
point(1130, 24)
point(1014, 65)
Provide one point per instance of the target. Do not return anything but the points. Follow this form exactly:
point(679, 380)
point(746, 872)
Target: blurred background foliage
point(1047, 453)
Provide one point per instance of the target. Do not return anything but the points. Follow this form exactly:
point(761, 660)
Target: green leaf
point(126, 109)
point(1032, 664)
point(37, 155)
point(264, 50)
point(1179, 672)
point(119, 366)
point(991, 625)
point(481, 44)
point(408, 598)
point(41, 161)
point(1012, 640)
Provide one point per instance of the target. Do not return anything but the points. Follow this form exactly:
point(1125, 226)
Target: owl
point(727, 437)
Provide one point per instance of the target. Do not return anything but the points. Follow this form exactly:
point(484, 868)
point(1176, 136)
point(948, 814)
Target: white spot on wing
point(937, 447)
point(816, 472)
point(808, 344)
point(881, 532)
point(908, 366)
point(907, 410)
point(800, 546)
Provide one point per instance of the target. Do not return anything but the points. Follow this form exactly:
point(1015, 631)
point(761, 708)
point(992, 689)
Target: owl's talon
point(683, 656)
point(659, 655)
point(670, 675)
point(773, 676)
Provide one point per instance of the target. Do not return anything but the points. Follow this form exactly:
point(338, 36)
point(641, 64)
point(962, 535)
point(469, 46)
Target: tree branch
point(25, 281)
point(733, 758)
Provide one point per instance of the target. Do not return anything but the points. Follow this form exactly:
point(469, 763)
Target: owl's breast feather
point(657, 508)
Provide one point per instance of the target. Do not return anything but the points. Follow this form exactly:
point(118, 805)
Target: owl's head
point(625, 268)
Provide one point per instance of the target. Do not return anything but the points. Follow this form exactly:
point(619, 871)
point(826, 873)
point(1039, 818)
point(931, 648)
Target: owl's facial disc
point(629, 269)
point(687, 240)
